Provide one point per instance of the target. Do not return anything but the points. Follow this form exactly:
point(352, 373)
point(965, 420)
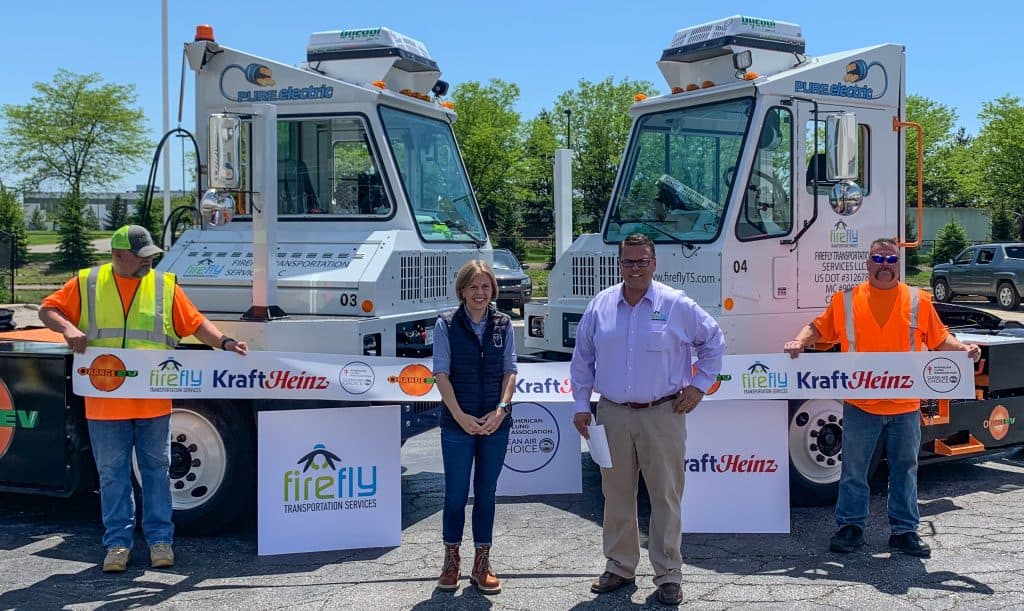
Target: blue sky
point(961, 56)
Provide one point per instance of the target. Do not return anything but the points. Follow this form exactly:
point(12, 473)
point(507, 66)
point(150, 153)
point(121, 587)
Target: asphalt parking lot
point(547, 549)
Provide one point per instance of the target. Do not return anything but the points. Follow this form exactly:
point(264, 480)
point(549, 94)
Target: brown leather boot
point(482, 577)
point(449, 579)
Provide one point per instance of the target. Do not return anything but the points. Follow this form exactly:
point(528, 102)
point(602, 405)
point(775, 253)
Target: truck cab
point(350, 210)
point(728, 175)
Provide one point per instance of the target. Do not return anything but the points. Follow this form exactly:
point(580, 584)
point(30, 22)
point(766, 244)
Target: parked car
point(995, 271)
point(514, 285)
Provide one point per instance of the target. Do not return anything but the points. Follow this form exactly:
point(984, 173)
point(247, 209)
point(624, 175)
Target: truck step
point(971, 446)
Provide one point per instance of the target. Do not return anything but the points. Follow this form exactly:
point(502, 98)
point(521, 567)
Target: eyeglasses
point(635, 262)
point(885, 258)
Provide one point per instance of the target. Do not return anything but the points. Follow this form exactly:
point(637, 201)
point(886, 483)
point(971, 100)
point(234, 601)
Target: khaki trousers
point(651, 440)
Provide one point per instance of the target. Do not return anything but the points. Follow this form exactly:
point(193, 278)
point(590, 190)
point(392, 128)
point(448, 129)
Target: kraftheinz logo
point(107, 373)
point(853, 380)
point(12, 419)
point(415, 380)
point(843, 236)
point(547, 386)
point(758, 379)
point(324, 484)
point(856, 71)
point(283, 379)
point(203, 269)
point(730, 463)
point(262, 76)
point(170, 376)
point(942, 375)
point(998, 423)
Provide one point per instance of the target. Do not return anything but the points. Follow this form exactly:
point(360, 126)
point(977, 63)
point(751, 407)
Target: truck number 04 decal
point(739, 266)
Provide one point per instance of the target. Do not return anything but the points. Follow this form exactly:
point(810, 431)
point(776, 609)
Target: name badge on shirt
point(498, 339)
point(656, 315)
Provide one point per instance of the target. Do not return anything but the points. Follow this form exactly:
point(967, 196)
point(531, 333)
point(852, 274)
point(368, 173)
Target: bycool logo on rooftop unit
point(324, 484)
point(843, 236)
point(263, 76)
point(170, 376)
point(12, 419)
point(860, 82)
point(759, 379)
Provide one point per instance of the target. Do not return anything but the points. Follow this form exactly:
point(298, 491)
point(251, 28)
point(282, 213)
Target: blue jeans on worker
point(112, 443)
point(461, 452)
point(900, 436)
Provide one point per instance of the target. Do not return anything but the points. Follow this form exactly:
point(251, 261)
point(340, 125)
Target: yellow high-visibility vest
point(149, 323)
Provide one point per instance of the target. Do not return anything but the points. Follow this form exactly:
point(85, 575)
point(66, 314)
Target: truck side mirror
point(225, 146)
point(841, 160)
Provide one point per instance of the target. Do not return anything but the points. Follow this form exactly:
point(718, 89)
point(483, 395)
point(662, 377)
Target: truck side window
point(986, 255)
point(965, 257)
point(767, 201)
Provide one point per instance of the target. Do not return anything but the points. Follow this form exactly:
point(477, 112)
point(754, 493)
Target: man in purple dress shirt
point(634, 347)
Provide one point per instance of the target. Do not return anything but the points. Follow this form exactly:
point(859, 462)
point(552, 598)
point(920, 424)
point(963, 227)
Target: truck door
point(960, 271)
point(832, 254)
point(980, 276)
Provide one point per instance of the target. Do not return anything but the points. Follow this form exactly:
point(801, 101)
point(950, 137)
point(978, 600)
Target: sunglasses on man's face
point(885, 258)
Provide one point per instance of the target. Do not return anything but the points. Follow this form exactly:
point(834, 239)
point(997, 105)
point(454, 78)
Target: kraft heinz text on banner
point(106, 372)
point(329, 479)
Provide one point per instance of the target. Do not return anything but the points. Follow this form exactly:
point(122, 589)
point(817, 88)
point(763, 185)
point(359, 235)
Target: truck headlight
point(526, 282)
point(536, 326)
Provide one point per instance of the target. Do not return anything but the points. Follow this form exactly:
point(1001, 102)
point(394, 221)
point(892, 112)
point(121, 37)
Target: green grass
point(540, 282)
point(919, 276)
point(538, 251)
point(40, 238)
point(38, 270)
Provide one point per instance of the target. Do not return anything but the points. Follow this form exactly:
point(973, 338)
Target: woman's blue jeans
point(112, 444)
point(901, 439)
point(461, 452)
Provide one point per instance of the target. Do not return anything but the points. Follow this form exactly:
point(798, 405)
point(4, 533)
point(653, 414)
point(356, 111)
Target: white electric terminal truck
point(762, 177)
point(337, 213)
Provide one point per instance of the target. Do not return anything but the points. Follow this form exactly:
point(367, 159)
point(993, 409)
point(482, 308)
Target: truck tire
point(213, 463)
point(1007, 296)
point(815, 451)
point(940, 289)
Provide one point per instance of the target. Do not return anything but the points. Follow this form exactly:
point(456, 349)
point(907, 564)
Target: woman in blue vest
point(475, 371)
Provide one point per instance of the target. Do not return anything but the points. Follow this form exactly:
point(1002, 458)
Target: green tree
point(75, 250)
point(76, 131)
point(941, 161)
point(489, 136)
point(1003, 224)
point(912, 254)
point(12, 220)
point(92, 222)
point(117, 215)
point(999, 151)
point(537, 176)
point(38, 220)
point(152, 219)
point(950, 240)
point(599, 124)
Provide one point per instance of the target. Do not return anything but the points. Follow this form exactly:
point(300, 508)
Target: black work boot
point(846, 539)
point(910, 544)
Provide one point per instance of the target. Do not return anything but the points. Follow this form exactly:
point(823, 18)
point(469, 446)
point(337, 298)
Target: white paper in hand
point(598, 444)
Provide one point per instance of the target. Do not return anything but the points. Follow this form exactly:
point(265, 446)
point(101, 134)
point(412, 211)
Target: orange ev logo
point(414, 380)
point(107, 372)
point(6, 433)
point(998, 423)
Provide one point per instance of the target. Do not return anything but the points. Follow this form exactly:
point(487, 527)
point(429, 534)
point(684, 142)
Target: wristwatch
point(505, 406)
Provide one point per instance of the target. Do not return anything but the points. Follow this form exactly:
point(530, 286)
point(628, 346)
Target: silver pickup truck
point(995, 271)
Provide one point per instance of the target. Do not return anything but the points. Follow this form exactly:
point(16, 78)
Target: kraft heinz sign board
point(104, 372)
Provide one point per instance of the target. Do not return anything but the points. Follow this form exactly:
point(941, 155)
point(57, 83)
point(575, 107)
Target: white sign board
point(329, 479)
point(737, 468)
point(543, 451)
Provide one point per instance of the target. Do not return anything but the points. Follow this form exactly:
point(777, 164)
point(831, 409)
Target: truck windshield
point(679, 171)
point(433, 177)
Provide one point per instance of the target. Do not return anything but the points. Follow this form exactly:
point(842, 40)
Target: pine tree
point(75, 250)
point(12, 220)
point(1003, 223)
point(950, 240)
point(117, 216)
point(38, 220)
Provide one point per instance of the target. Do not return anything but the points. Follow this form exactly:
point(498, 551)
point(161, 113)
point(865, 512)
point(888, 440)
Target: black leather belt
point(635, 405)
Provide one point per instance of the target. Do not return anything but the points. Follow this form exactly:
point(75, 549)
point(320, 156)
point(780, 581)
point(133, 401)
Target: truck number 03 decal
point(348, 300)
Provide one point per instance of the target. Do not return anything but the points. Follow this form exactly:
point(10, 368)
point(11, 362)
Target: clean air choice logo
point(534, 439)
point(942, 375)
